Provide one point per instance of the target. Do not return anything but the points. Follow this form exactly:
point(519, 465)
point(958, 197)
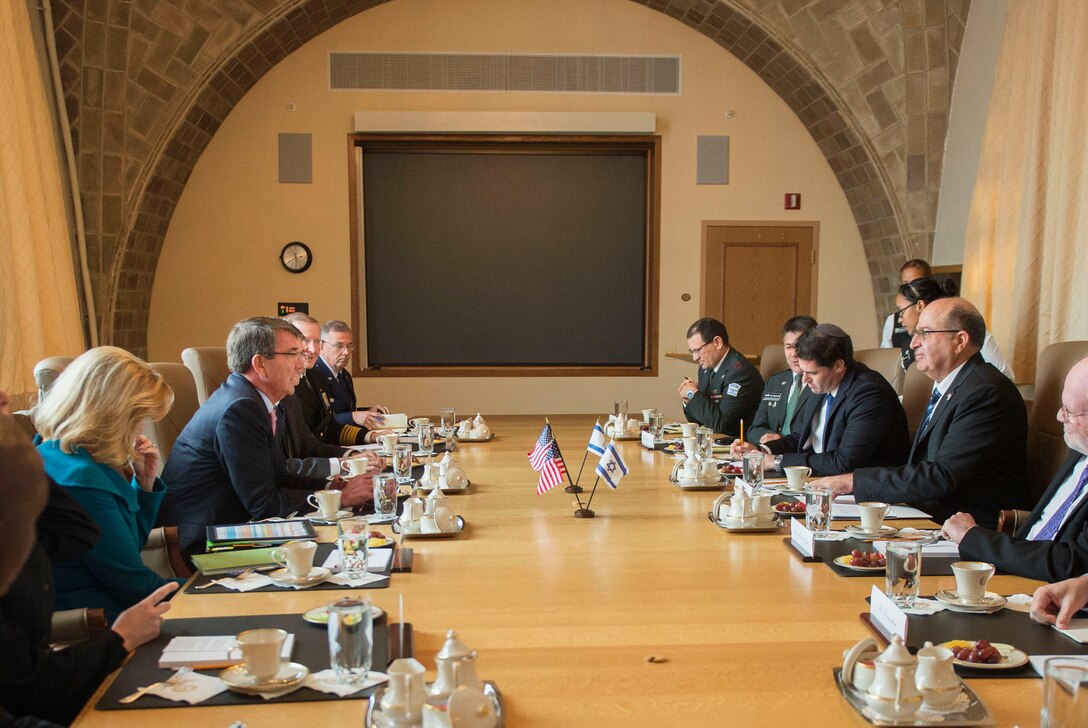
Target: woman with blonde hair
point(90, 429)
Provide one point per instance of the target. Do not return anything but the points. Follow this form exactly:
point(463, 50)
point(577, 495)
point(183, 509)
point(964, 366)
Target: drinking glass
point(903, 572)
point(704, 439)
point(619, 408)
point(1065, 692)
point(818, 509)
point(402, 463)
point(385, 496)
point(753, 469)
point(351, 639)
point(426, 439)
point(354, 533)
point(657, 424)
point(447, 418)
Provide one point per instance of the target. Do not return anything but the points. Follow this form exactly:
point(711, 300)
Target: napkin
point(325, 682)
point(343, 580)
point(832, 536)
point(1019, 602)
point(923, 607)
point(251, 582)
point(196, 688)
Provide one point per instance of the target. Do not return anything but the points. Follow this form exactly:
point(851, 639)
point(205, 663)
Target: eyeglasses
point(923, 333)
point(901, 310)
point(1070, 415)
point(697, 349)
point(307, 342)
point(301, 355)
point(341, 347)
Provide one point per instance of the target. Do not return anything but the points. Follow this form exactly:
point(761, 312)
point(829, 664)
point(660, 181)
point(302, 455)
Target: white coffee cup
point(646, 415)
point(355, 466)
point(261, 651)
point(296, 556)
point(389, 442)
point(327, 502)
point(688, 429)
point(872, 515)
point(971, 579)
point(796, 475)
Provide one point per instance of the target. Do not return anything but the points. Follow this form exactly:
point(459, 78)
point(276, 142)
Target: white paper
point(394, 422)
point(888, 617)
point(850, 512)
point(1038, 662)
point(188, 651)
point(376, 560)
point(1078, 630)
point(941, 548)
point(801, 537)
point(196, 689)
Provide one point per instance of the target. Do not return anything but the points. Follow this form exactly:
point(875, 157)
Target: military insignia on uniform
point(733, 389)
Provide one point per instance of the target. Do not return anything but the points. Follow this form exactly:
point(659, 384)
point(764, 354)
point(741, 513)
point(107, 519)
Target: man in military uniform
point(729, 387)
point(337, 345)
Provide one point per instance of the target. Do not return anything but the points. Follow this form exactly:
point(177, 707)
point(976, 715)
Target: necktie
point(791, 403)
point(1050, 530)
point(933, 400)
point(273, 415)
point(281, 431)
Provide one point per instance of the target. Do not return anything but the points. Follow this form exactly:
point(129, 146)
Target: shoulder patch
point(733, 389)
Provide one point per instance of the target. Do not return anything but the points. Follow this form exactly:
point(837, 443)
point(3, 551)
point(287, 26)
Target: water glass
point(619, 408)
point(704, 439)
point(1065, 692)
point(385, 496)
point(447, 418)
point(351, 639)
point(426, 439)
point(818, 509)
point(903, 572)
point(352, 542)
point(753, 468)
point(402, 463)
point(657, 424)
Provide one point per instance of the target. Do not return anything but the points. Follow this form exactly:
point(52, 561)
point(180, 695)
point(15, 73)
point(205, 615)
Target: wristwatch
point(691, 394)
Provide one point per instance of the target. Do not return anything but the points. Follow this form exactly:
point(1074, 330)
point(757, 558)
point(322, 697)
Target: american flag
point(546, 460)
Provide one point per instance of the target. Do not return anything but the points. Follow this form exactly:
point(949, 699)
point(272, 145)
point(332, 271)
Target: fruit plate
point(844, 562)
point(1010, 656)
point(789, 514)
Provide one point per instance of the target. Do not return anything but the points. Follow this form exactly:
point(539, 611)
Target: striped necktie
point(933, 400)
point(791, 404)
point(1050, 530)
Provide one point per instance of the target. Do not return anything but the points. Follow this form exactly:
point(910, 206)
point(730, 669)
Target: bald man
point(970, 452)
point(1052, 543)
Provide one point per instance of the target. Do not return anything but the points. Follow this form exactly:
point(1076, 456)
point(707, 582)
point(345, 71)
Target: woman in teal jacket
point(90, 424)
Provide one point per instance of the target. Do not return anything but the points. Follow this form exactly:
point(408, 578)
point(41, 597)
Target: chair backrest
point(772, 361)
point(917, 388)
point(1046, 441)
point(209, 367)
point(47, 370)
point(185, 404)
point(162, 553)
point(885, 361)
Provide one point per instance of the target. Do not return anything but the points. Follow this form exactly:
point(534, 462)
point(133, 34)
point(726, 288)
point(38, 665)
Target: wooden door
point(756, 276)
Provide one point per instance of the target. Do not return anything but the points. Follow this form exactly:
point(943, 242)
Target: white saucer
point(320, 615)
point(991, 602)
point(317, 575)
point(290, 674)
point(316, 516)
point(884, 532)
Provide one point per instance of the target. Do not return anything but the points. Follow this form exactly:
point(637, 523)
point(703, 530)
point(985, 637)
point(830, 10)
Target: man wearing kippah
point(729, 387)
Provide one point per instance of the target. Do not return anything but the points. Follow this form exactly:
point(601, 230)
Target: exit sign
point(793, 200)
point(286, 307)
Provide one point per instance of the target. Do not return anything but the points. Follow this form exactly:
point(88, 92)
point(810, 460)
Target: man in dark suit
point(1052, 544)
point(785, 394)
point(226, 465)
point(969, 453)
point(853, 419)
point(337, 345)
point(729, 386)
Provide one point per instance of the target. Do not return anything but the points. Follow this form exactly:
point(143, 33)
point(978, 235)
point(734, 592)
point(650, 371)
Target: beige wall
point(220, 264)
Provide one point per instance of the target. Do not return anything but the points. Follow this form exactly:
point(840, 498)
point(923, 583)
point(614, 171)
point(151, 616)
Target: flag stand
point(582, 511)
point(574, 487)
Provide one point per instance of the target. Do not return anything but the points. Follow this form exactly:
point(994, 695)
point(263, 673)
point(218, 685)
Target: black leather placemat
point(323, 551)
point(311, 649)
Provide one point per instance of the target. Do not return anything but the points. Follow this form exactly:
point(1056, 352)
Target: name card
point(738, 482)
point(887, 617)
point(802, 537)
point(647, 440)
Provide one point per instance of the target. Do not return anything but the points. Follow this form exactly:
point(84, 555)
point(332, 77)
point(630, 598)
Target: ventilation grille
point(464, 72)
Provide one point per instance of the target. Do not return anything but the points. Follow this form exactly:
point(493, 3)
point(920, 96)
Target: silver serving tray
point(976, 714)
point(373, 706)
point(440, 534)
point(489, 438)
point(702, 484)
point(776, 526)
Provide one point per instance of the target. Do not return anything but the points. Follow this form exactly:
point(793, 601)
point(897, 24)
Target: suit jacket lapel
point(1060, 477)
point(944, 405)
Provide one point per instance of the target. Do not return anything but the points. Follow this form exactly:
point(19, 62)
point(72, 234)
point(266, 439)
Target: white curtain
point(1026, 251)
point(39, 308)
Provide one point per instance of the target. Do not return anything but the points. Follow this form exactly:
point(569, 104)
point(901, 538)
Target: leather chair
point(47, 370)
point(917, 388)
point(76, 625)
point(1046, 442)
point(162, 553)
point(885, 361)
point(209, 367)
point(185, 405)
point(772, 361)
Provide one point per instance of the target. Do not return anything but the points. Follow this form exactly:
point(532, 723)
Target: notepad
point(209, 650)
point(1077, 631)
point(224, 562)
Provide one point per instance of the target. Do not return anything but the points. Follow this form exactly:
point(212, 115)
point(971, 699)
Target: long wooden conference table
point(565, 612)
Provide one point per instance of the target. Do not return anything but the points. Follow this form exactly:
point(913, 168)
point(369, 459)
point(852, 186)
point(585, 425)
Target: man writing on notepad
point(337, 346)
point(729, 387)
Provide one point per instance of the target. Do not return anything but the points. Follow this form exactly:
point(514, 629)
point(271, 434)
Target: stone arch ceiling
point(148, 83)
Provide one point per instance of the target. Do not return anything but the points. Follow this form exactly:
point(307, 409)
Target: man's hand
point(375, 435)
point(769, 437)
point(839, 484)
point(357, 491)
point(688, 385)
point(1057, 603)
point(369, 419)
point(956, 527)
point(739, 447)
point(141, 622)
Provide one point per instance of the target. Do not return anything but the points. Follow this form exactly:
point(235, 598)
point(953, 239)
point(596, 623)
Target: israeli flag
point(611, 466)
point(596, 440)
